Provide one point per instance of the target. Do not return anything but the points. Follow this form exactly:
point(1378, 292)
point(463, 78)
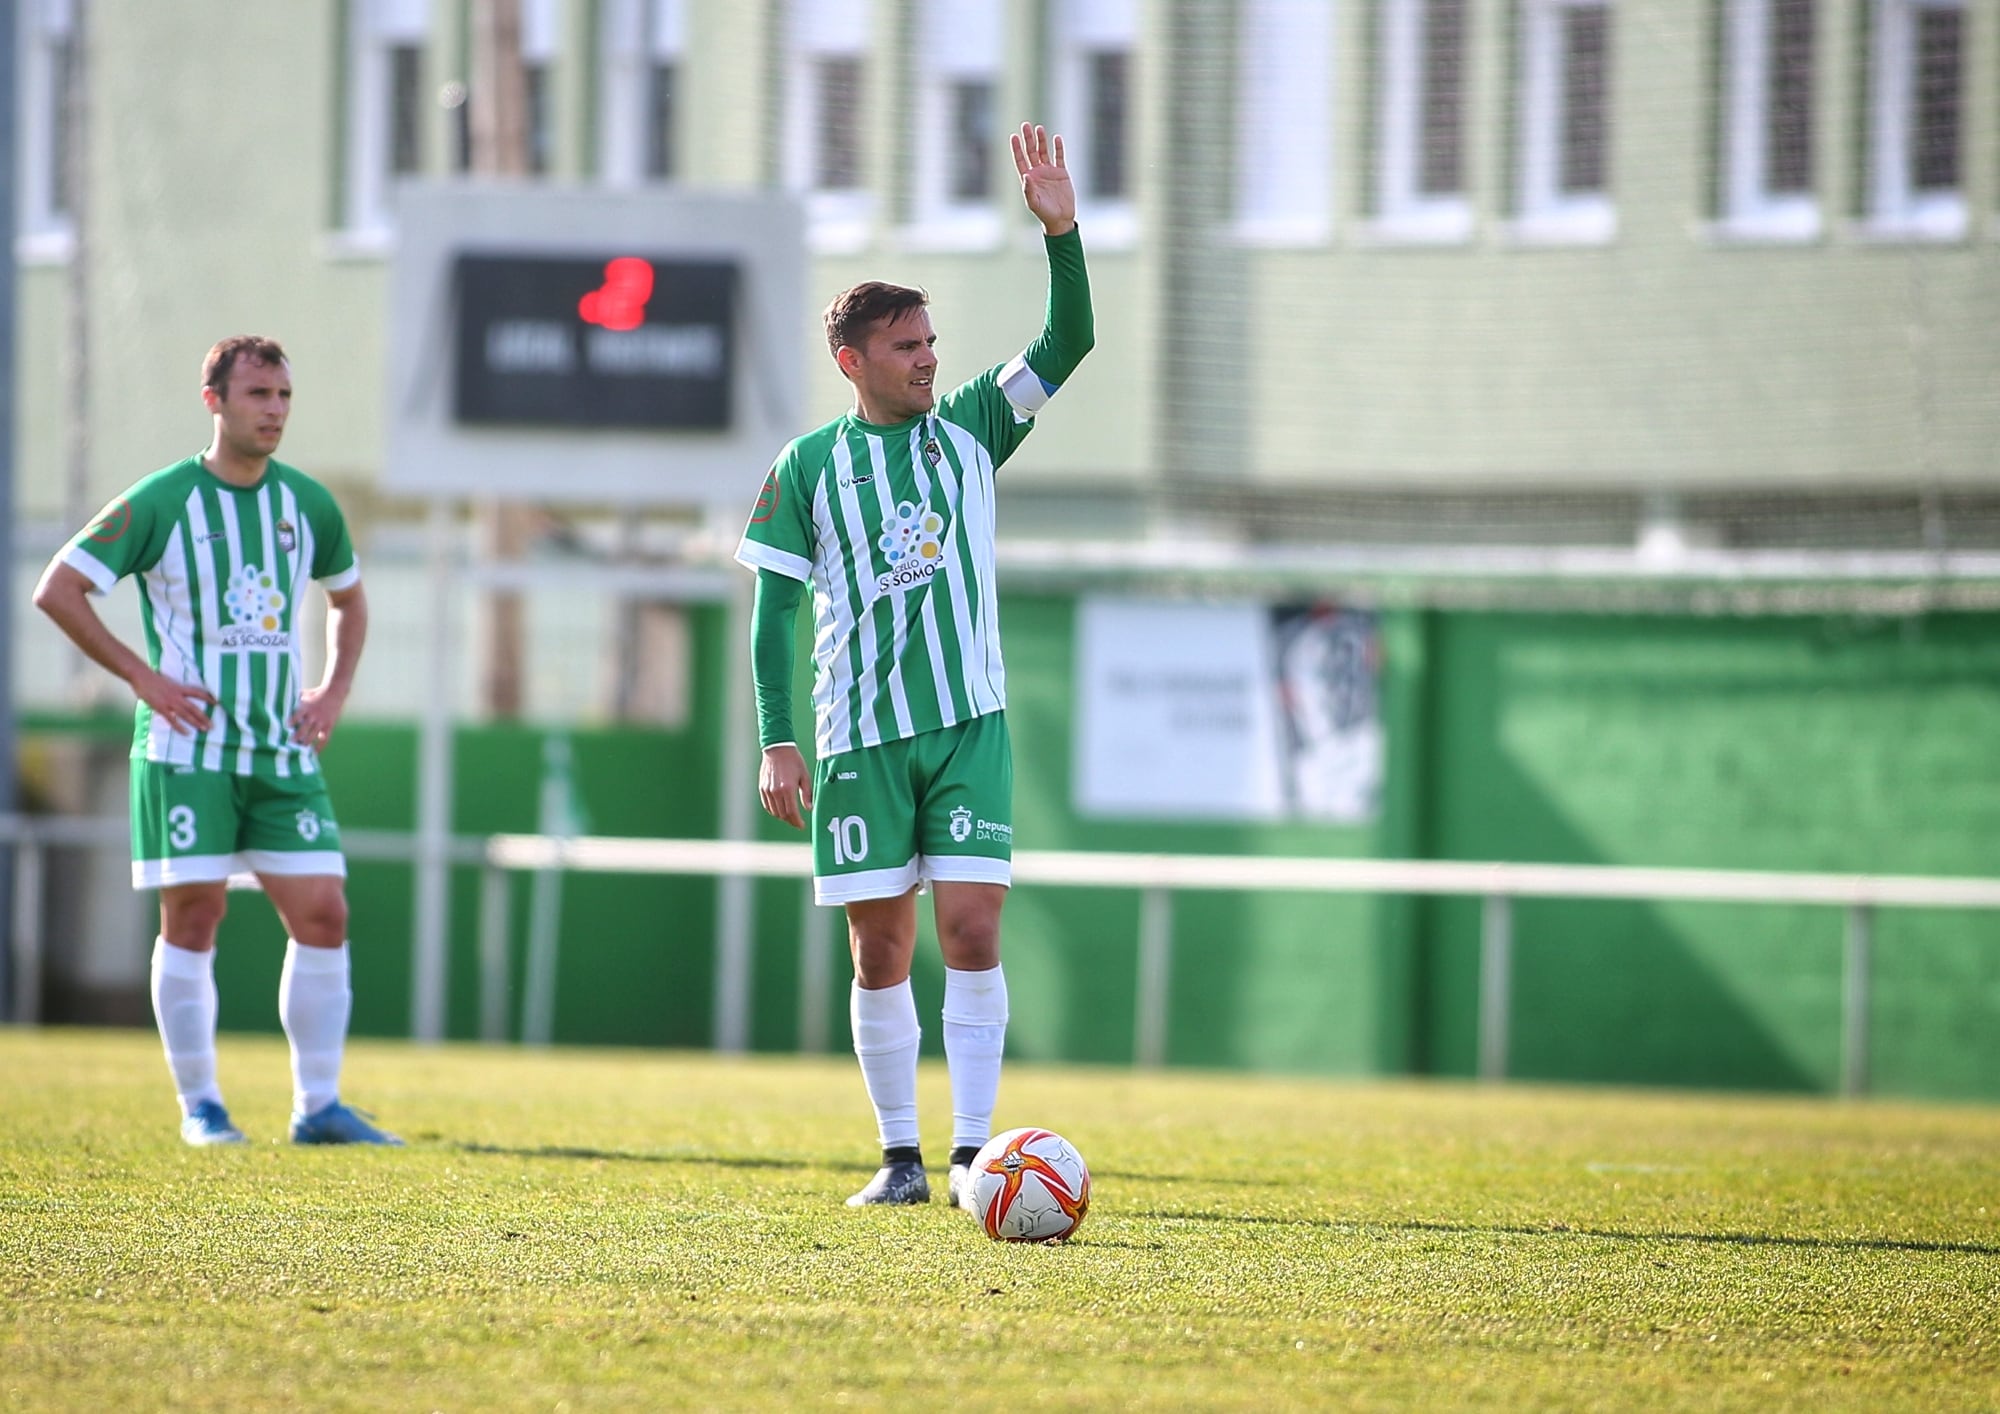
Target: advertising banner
point(1230, 711)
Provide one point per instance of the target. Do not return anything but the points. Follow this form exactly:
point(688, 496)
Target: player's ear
point(211, 398)
point(849, 359)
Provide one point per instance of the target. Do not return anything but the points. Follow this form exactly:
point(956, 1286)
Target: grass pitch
point(617, 1230)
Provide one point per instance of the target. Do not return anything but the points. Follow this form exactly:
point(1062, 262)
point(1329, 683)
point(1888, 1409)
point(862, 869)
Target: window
point(47, 39)
point(1284, 96)
point(1420, 186)
point(385, 110)
point(1916, 137)
point(1564, 168)
point(540, 20)
point(959, 140)
point(824, 138)
point(1094, 41)
point(1767, 120)
point(643, 45)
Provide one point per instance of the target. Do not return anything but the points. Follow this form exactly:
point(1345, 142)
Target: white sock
point(975, 1033)
point(184, 1007)
point(885, 1039)
point(313, 1003)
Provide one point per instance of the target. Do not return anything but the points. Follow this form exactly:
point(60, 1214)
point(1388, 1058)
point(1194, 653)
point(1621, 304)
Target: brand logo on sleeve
point(767, 500)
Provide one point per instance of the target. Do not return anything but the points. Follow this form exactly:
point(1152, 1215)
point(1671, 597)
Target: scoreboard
point(641, 341)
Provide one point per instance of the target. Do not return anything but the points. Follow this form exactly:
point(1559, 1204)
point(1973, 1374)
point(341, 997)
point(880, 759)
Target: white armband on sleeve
point(1027, 391)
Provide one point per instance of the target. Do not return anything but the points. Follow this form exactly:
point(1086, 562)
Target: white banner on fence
point(1239, 711)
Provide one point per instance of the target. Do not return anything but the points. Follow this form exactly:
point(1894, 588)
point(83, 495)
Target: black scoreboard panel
point(613, 341)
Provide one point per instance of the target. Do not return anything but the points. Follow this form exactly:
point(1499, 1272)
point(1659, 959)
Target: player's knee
point(880, 959)
point(191, 922)
point(322, 922)
point(971, 942)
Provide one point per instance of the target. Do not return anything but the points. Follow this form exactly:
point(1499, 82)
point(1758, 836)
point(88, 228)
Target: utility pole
point(499, 132)
point(75, 160)
point(8, 70)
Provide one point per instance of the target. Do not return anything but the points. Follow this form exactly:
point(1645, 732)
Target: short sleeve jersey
point(222, 570)
point(892, 527)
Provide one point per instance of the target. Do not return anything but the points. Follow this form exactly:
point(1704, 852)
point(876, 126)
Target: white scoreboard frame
point(429, 453)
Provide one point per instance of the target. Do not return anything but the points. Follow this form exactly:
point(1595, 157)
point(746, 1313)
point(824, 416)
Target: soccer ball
point(1029, 1185)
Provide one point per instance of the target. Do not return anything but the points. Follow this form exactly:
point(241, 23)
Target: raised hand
point(1045, 183)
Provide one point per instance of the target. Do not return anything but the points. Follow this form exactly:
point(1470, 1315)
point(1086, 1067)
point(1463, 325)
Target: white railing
point(1156, 876)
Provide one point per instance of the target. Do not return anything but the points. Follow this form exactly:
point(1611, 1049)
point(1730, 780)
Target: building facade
point(1549, 247)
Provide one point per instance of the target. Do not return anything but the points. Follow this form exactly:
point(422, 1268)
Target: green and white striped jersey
point(222, 570)
point(893, 527)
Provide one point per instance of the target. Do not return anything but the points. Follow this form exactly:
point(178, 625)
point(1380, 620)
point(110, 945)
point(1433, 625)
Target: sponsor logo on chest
point(912, 541)
point(257, 620)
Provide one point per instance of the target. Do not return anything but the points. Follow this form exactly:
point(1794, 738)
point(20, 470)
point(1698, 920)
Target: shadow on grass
point(738, 1161)
point(664, 1156)
point(1724, 1239)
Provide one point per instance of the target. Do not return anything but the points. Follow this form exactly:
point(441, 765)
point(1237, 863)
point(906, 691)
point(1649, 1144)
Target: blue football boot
point(208, 1123)
point(335, 1123)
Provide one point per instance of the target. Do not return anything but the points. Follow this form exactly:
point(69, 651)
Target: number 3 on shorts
point(180, 827)
point(850, 838)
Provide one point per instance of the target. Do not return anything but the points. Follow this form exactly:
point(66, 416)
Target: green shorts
point(191, 826)
point(939, 805)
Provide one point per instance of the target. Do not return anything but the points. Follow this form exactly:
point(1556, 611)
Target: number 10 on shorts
point(850, 838)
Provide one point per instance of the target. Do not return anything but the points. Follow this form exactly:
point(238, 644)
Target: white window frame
point(1077, 30)
point(374, 28)
point(1546, 214)
point(634, 36)
point(1895, 209)
point(1403, 211)
point(838, 220)
point(956, 41)
point(43, 235)
point(1284, 123)
point(1750, 210)
point(541, 44)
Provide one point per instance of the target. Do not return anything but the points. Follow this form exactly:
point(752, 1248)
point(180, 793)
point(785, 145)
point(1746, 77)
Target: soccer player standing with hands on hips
point(888, 513)
point(225, 754)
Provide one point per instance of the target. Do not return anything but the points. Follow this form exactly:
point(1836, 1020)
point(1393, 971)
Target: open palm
point(1045, 183)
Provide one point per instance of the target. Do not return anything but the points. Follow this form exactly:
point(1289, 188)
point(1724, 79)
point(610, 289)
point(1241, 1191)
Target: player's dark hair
point(215, 369)
point(854, 313)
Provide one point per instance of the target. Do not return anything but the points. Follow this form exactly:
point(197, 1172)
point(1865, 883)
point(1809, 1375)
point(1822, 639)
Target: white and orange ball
point(1029, 1185)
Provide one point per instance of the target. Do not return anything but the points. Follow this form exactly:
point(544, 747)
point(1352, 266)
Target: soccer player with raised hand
point(225, 754)
point(887, 512)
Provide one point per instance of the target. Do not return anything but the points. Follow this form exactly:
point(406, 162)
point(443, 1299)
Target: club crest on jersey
point(308, 826)
point(912, 541)
point(961, 824)
point(933, 453)
point(288, 538)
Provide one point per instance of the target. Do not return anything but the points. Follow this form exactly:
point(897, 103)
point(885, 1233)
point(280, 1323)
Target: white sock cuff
point(975, 998)
point(301, 958)
point(170, 961)
point(884, 1019)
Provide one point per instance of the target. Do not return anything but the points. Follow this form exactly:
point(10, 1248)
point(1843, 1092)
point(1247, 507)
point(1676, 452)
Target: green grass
point(614, 1230)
